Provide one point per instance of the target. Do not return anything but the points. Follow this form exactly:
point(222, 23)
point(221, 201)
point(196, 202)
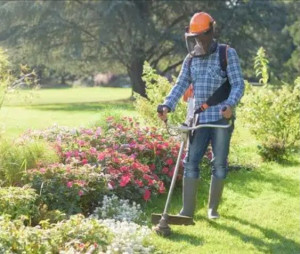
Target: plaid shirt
point(206, 75)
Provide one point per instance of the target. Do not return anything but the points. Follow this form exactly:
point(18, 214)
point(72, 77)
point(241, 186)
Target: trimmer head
point(162, 228)
point(162, 220)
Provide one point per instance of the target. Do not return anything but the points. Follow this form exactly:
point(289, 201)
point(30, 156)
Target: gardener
point(202, 68)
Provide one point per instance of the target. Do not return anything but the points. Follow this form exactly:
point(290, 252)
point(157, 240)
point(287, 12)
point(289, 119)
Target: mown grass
point(68, 107)
point(259, 211)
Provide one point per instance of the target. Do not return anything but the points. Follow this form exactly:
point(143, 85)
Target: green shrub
point(5, 77)
point(76, 235)
point(157, 88)
point(16, 158)
point(68, 188)
point(18, 202)
point(272, 115)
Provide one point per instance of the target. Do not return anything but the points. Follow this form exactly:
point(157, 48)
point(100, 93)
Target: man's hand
point(227, 112)
point(163, 113)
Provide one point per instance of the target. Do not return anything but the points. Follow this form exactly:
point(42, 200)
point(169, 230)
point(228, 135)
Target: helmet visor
point(199, 44)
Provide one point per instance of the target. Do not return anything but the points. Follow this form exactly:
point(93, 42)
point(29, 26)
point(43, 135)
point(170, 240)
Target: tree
point(85, 36)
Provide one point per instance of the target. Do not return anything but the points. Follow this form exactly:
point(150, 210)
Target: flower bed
point(139, 161)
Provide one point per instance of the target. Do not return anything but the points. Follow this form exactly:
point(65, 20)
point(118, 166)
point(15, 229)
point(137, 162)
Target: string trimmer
point(163, 220)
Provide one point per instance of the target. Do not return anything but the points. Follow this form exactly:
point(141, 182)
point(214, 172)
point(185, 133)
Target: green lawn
point(68, 107)
point(260, 214)
point(260, 211)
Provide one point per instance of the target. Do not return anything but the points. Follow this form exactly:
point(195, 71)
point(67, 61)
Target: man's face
point(200, 44)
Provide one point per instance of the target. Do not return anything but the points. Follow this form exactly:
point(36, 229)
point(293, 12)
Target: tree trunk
point(135, 72)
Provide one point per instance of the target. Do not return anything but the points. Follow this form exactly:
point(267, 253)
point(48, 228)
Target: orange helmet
point(200, 35)
point(201, 22)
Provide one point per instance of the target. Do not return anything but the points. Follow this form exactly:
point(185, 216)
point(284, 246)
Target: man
point(202, 68)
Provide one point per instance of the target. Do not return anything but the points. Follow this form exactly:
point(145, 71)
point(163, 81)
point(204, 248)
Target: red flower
point(165, 170)
point(139, 183)
point(84, 161)
point(170, 162)
point(124, 180)
point(135, 165)
point(152, 167)
point(147, 194)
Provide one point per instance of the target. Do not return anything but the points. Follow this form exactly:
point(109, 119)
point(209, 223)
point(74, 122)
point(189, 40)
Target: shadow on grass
point(280, 244)
point(88, 106)
point(178, 237)
point(241, 182)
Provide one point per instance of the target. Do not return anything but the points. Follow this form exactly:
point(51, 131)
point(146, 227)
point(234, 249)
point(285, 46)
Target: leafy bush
point(147, 145)
point(139, 160)
point(76, 235)
point(68, 188)
point(5, 77)
point(16, 158)
point(272, 115)
point(18, 202)
point(157, 88)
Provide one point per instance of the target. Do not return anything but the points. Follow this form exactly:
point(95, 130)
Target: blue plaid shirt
point(206, 75)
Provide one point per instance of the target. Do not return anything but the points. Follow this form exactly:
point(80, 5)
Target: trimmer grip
point(160, 109)
point(224, 108)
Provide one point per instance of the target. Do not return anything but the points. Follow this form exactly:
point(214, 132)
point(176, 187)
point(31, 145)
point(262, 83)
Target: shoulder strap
point(223, 56)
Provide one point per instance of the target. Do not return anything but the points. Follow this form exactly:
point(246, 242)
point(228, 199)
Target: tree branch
point(151, 50)
point(171, 67)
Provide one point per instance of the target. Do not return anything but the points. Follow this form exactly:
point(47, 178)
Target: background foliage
point(79, 38)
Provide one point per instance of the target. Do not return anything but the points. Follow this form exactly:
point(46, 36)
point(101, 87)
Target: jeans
point(220, 142)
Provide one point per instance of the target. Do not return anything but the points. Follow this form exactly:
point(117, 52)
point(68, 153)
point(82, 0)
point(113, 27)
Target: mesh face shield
point(199, 44)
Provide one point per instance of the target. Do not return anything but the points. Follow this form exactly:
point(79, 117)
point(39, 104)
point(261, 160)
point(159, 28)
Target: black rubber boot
point(189, 196)
point(215, 194)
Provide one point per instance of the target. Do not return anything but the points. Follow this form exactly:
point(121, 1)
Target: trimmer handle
point(224, 108)
point(160, 109)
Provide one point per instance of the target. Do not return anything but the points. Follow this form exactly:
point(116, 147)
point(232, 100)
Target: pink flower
point(147, 194)
point(68, 154)
point(81, 142)
point(42, 170)
point(139, 183)
point(170, 162)
point(98, 131)
point(135, 165)
point(69, 184)
point(141, 147)
point(80, 193)
point(161, 187)
point(165, 170)
point(150, 182)
point(123, 169)
point(84, 161)
point(152, 167)
point(124, 180)
point(110, 186)
point(93, 151)
point(101, 156)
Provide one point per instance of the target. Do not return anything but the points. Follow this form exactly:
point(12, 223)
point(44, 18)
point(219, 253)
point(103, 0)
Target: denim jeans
point(220, 142)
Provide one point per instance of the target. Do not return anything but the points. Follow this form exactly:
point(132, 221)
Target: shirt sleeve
point(235, 77)
point(182, 83)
